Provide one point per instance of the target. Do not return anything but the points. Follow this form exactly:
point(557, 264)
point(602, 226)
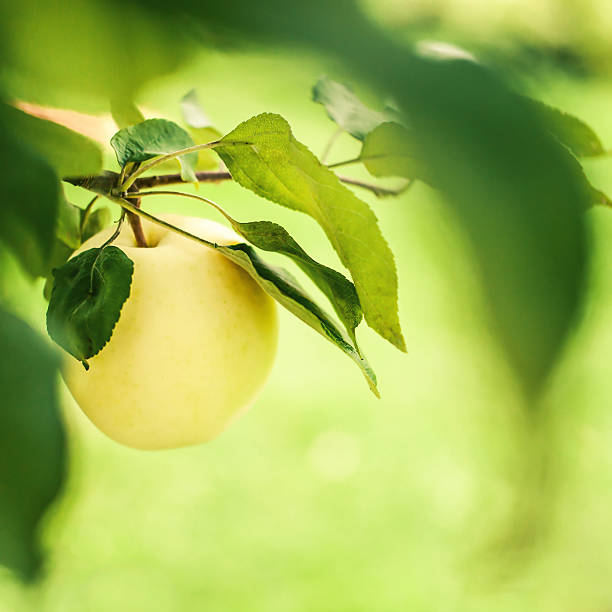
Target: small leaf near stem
point(86, 214)
point(163, 158)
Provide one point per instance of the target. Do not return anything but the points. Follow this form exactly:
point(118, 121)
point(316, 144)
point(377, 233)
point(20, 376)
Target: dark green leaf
point(68, 152)
point(30, 195)
point(574, 133)
point(95, 222)
point(74, 217)
point(151, 138)
point(281, 286)
point(338, 289)
point(125, 113)
point(32, 445)
point(200, 130)
point(345, 108)
point(278, 167)
point(88, 294)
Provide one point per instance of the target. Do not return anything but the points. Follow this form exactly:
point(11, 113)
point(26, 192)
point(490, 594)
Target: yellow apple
point(193, 346)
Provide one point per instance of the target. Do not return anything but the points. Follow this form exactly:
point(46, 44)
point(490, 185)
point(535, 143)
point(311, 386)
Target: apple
point(194, 344)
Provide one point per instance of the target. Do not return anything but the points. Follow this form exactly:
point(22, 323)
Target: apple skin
point(194, 344)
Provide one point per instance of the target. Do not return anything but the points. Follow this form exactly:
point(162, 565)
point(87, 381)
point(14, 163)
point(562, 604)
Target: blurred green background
point(446, 495)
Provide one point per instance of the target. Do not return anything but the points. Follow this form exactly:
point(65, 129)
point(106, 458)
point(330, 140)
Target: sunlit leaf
point(278, 167)
point(88, 294)
point(32, 445)
point(151, 138)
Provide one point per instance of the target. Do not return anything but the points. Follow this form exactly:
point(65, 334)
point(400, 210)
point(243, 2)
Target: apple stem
point(135, 222)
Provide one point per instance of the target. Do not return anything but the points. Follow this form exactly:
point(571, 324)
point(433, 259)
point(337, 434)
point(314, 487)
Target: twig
point(106, 182)
point(171, 179)
point(378, 191)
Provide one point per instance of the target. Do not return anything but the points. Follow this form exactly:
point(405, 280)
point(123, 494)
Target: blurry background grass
point(323, 498)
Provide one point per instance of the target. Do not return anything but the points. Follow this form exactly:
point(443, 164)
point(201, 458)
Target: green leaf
point(68, 227)
point(95, 222)
point(69, 237)
point(193, 113)
point(68, 152)
point(599, 197)
point(30, 196)
point(344, 108)
point(388, 151)
point(151, 138)
point(32, 444)
point(125, 113)
point(200, 130)
point(278, 167)
point(88, 294)
point(574, 133)
point(281, 286)
point(337, 288)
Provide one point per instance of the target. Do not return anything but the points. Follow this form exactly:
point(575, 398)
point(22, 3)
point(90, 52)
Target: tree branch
point(171, 179)
point(106, 182)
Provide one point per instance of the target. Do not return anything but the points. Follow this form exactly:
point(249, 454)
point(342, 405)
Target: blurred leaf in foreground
point(32, 452)
point(30, 199)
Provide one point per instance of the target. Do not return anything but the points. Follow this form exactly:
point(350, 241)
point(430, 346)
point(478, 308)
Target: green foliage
point(346, 109)
point(68, 152)
point(151, 138)
point(88, 294)
point(125, 113)
point(30, 197)
point(32, 451)
point(279, 168)
point(281, 286)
